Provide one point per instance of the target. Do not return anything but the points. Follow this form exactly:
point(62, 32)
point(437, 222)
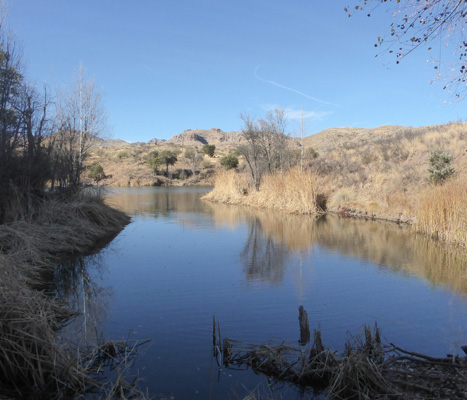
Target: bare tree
point(23, 125)
point(266, 147)
point(252, 150)
point(81, 119)
point(434, 24)
point(272, 138)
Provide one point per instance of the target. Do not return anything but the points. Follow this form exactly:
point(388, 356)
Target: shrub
point(209, 149)
point(167, 157)
point(122, 154)
point(154, 161)
point(229, 161)
point(96, 172)
point(440, 166)
point(312, 153)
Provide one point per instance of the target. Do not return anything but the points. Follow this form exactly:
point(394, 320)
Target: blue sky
point(166, 65)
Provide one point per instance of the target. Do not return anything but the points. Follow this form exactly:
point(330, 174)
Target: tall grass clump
point(230, 187)
point(34, 362)
point(294, 191)
point(442, 211)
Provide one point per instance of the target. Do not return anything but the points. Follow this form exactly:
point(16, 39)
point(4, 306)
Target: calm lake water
point(182, 260)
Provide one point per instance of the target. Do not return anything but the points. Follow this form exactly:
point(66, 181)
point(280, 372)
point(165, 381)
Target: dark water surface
point(183, 260)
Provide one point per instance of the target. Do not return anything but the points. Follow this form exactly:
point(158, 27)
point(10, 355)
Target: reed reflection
point(272, 236)
point(263, 257)
point(76, 282)
point(387, 245)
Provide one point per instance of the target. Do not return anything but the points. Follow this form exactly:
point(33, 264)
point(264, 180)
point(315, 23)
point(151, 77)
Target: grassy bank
point(36, 361)
point(380, 173)
point(437, 210)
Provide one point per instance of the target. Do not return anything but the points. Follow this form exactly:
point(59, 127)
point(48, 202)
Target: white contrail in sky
point(291, 89)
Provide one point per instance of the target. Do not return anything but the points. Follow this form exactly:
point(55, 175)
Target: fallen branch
point(368, 369)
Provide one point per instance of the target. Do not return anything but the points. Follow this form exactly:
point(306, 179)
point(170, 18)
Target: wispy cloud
point(293, 113)
point(291, 89)
point(312, 115)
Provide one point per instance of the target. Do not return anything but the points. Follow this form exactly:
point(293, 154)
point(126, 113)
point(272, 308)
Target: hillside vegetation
point(380, 173)
point(384, 170)
point(127, 164)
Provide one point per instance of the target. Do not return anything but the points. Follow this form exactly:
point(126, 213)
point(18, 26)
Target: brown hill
point(353, 137)
point(111, 143)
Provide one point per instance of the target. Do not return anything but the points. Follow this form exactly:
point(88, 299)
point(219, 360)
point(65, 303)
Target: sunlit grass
point(294, 191)
point(380, 173)
point(442, 211)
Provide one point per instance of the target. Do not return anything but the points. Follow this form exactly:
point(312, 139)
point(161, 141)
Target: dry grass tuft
point(442, 211)
point(295, 192)
point(230, 187)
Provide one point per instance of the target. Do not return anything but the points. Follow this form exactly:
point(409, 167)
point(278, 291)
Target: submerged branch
point(368, 369)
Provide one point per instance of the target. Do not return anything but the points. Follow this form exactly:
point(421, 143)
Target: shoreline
point(40, 363)
point(437, 211)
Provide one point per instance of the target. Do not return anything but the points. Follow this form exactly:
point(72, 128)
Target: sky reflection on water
point(183, 260)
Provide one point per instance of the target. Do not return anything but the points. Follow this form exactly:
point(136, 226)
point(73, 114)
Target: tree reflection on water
point(263, 257)
point(76, 282)
point(274, 236)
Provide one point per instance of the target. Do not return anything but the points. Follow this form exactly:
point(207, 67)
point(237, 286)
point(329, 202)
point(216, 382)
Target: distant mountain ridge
point(189, 137)
point(324, 140)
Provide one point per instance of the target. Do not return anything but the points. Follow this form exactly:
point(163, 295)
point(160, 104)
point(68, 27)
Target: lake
point(182, 260)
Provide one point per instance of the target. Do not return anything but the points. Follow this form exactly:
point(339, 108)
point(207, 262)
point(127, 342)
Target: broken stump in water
point(304, 326)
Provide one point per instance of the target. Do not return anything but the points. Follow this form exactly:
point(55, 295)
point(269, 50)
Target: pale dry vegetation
point(384, 168)
point(36, 361)
point(294, 191)
point(442, 211)
point(126, 165)
point(377, 173)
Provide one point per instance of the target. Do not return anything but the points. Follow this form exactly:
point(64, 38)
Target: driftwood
point(367, 369)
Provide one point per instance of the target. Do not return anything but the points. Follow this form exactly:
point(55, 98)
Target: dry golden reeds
point(35, 362)
point(294, 191)
point(230, 187)
point(442, 211)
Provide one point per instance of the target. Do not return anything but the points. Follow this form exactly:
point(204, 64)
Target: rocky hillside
point(366, 162)
point(195, 137)
point(125, 164)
